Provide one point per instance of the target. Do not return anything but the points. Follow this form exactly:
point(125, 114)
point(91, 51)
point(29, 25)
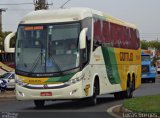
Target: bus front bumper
point(74, 91)
point(148, 75)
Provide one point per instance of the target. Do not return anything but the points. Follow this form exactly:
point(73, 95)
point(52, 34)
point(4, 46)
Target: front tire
point(93, 100)
point(39, 103)
point(153, 80)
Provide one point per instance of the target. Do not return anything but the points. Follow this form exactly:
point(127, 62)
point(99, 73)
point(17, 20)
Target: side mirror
point(7, 47)
point(82, 38)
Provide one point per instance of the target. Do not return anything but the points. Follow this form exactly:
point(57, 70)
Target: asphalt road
point(69, 109)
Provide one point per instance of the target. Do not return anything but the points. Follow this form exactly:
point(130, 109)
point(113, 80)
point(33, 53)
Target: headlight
point(74, 80)
point(153, 71)
point(19, 82)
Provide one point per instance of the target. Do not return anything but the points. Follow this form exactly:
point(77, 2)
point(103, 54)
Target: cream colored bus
point(75, 53)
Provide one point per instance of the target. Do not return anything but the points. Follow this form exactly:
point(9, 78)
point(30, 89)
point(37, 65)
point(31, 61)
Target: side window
point(12, 76)
point(97, 33)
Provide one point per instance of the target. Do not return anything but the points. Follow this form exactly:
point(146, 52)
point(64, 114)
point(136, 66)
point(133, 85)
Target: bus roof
point(70, 14)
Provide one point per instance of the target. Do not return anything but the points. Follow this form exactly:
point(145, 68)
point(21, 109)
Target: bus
point(106, 57)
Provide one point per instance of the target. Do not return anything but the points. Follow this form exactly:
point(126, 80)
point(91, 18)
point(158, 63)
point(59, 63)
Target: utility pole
point(41, 4)
point(1, 10)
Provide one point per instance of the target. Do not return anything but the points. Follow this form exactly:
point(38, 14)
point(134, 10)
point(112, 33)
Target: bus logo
point(45, 86)
point(125, 56)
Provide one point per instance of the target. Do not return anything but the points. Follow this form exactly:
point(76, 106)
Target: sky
point(145, 14)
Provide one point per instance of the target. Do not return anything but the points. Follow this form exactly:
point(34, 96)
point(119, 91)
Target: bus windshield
point(146, 58)
point(47, 48)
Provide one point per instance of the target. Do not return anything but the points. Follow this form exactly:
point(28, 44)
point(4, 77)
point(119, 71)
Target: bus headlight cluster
point(20, 82)
point(153, 71)
point(74, 80)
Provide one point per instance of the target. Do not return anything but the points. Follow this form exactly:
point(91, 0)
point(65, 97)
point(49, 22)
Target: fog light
point(72, 92)
point(21, 94)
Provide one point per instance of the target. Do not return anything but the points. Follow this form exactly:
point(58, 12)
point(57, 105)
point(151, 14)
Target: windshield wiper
point(36, 62)
point(40, 57)
point(33, 68)
point(53, 60)
point(58, 66)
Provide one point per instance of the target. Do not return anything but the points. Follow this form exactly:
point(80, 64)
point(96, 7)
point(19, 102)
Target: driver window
point(72, 49)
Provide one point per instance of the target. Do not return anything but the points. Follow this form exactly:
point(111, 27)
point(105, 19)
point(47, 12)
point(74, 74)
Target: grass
point(145, 104)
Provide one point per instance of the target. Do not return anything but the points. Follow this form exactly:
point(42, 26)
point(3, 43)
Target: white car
point(9, 77)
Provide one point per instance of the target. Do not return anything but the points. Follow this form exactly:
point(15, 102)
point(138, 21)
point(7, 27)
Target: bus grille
point(145, 68)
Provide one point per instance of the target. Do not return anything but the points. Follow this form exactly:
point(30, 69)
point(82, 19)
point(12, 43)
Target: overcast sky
point(143, 13)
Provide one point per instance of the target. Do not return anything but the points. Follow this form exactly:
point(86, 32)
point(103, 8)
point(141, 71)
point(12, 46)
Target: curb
point(7, 95)
point(110, 111)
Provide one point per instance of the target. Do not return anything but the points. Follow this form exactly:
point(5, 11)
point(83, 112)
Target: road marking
point(110, 111)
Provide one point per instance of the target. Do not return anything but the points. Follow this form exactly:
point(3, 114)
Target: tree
point(144, 44)
point(152, 44)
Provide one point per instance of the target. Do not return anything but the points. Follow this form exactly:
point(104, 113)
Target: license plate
point(46, 94)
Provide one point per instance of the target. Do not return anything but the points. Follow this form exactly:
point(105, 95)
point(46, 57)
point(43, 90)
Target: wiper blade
point(35, 63)
point(40, 57)
point(58, 66)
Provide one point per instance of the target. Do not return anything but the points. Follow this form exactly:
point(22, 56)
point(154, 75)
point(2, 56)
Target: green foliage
point(155, 44)
point(144, 44)
point(152, 44)
point(144, 104)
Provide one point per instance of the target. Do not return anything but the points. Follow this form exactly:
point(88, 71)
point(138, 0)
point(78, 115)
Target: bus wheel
point(39, 103)
point(153, 80)
point(133, 85)
point(129, 92)
point(93, 100)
